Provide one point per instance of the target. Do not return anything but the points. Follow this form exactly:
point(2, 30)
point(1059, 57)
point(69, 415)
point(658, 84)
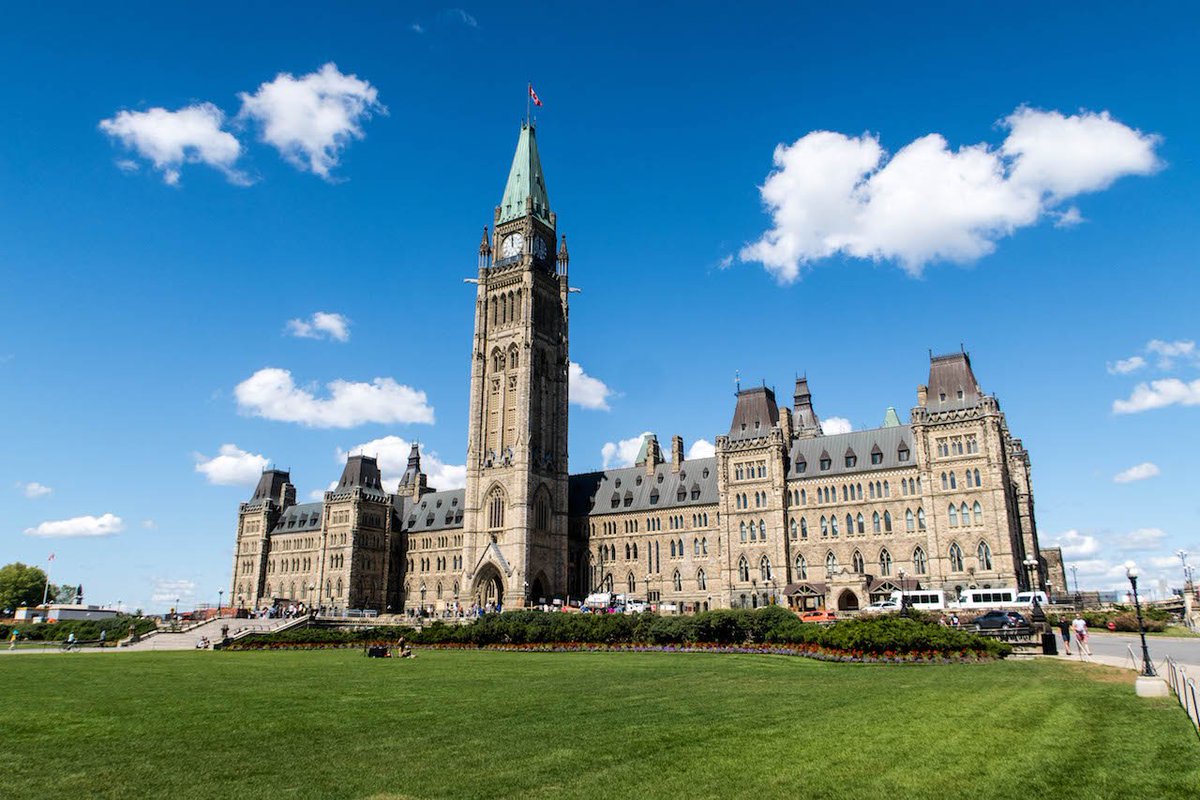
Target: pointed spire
point(526, 187)
point(485, 247)
point(808, 424)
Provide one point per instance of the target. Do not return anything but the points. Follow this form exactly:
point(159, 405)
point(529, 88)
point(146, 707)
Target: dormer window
point(902, 454)
point(942, 396)
point(826, 463)
point(801, 466)
point(876, 458)
point(960, 394)
point(617, 483)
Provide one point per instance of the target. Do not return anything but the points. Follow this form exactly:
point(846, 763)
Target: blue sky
point(1050, 231)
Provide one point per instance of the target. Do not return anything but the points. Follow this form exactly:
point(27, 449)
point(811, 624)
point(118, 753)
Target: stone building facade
point(782, 513)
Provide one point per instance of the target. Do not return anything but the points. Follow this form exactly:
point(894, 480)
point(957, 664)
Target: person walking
point(103, 636)
point(12, 640)
point(1064, 628)
point(1081, 635)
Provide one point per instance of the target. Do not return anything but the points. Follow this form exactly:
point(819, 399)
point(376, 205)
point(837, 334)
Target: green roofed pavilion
point(525, 180)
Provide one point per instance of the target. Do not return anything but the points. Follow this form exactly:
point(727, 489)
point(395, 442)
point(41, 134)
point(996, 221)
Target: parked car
point(820, 616)
point(1000, 620)
point(883, 606)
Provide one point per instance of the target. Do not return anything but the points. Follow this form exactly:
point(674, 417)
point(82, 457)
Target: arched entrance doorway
point(489, 587)
point(847, 601)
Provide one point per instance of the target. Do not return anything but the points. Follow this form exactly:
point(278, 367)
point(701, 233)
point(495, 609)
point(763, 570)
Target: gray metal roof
point(861, 443)
point(302, 517)
point(949, 376)
point(436, 511)
point(633, 489)
point(755, 414)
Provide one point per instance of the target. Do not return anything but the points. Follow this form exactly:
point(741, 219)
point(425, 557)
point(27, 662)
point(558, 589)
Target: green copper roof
point(525, 179)
point(891, 419)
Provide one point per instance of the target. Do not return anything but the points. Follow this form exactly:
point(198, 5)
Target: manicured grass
point(333, 724)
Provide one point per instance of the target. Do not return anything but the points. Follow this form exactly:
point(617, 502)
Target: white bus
point(988, 598)
point(926, 599)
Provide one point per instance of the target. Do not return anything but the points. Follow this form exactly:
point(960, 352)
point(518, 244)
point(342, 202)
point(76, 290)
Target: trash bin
point(1049, 645)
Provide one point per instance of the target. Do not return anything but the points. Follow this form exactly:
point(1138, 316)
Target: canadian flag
point(533, 96)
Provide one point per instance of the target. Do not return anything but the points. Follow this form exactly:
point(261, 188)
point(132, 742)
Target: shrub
point(881, 635)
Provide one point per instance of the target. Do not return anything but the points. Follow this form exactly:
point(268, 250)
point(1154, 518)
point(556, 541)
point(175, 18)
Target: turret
point(414, 482)
point(563, 257)
point(806, 421)
point(485, 255)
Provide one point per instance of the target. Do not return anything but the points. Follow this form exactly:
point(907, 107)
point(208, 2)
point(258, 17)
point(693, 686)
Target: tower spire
point(526, 186)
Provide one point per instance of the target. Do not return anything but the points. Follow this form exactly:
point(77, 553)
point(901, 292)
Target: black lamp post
point(903, 597)
point(1037, 614)
point(220, 597)
point(1147, 665)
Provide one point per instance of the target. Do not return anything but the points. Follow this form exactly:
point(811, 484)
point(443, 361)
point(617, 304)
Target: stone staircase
point(189, 638)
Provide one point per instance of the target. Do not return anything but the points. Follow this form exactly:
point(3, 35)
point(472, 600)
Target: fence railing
point(1185, 691)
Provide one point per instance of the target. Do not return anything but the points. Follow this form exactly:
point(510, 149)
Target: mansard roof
point(270, 484)
point(362, 473)
point(755, 414)
point(949, 377)
point(887, 441)
point(435, 511)
point(637, 490)
point(298, 518)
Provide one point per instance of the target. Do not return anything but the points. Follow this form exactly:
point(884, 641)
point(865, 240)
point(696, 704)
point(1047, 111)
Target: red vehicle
point(820, 616)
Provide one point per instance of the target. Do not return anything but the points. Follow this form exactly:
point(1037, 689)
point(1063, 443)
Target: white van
point(988, 598)
point(926, 599)
point(1026, 598)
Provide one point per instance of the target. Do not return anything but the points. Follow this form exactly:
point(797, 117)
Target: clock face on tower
point(512, 245)
point(539, 248)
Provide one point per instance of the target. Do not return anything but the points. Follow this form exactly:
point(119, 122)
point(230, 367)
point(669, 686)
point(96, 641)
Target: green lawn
point(334, 724)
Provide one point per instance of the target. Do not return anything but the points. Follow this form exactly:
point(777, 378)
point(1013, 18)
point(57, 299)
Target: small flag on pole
point(533, 96)
point(51, 558)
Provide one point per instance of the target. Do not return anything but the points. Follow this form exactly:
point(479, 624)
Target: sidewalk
point(1121, 663)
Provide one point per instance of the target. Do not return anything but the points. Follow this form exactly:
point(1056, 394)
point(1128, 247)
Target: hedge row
point(1123, 619)
point(86, 630)
point(877, 635)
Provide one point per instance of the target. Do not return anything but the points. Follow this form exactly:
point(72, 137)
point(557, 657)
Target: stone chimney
point(922, 395)
point(676, 453)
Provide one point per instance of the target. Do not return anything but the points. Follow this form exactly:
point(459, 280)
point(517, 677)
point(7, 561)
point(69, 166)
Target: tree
point(63, 593)
point(21, 585)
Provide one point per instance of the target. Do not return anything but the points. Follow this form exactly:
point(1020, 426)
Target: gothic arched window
point(801, 568)
point(956, 558)
point(701, 581)
point(677, 581)
point(857, 562)
point(495, 508)
point(984, 554)
point(831, 563)
point(743, 569)
point(885, 562)
point(764, 568)
point(920, 563)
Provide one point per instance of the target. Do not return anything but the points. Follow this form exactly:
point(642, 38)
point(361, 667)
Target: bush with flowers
point(765, 630)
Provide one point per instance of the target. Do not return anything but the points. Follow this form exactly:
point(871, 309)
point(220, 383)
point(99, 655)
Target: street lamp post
point(1038, 615)
point(220, 598)
point(903, 599)
point(1147, 665)
point(1078, 596)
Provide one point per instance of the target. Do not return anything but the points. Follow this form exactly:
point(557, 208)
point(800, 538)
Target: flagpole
point(46, 591)
point(528, 97)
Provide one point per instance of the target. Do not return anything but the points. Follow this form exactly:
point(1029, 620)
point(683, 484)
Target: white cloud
point(321, 325)
point(1067, 219)
point(392, 453)
point(1167, 352)
point(1141, 539)
point(167, 592)
point(622, 453)
point(416, 27)
point(1139, 472)
point(1075, 544)
point(1125, 366)
point(311, 119)
point(726, 261)
point(170, 139)
point(1159, 394)
point(232, 466)
point(103, 525)
point(458, 15)
point(272, 394)
point(316, 495)
point(834, 194)
point(149, 524)
point(586, 391)
point(834, 425)
point(701, 448)
point(34, 490)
